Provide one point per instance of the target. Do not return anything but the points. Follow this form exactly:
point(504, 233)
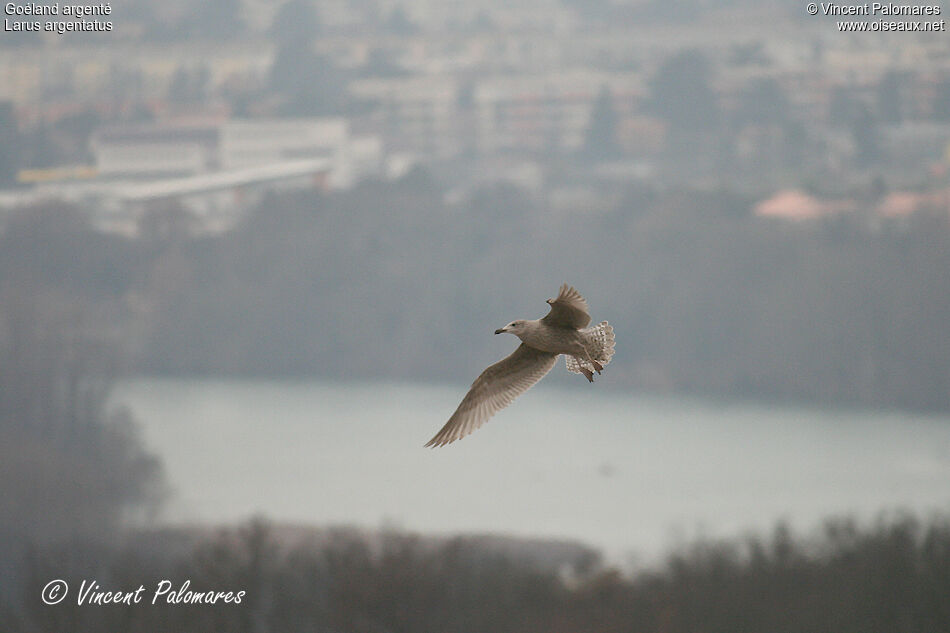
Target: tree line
point(852, 578)
point(390, 281)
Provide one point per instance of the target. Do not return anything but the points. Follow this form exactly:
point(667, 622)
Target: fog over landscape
point(252, 254)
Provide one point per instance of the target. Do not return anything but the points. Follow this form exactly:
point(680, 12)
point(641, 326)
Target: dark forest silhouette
point(891, 575)
point(388, 281)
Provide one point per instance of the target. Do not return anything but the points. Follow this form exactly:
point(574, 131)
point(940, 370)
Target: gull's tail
point(600, 346)
point(602, 339)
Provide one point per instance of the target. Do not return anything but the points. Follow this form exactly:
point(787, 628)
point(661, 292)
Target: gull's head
point(515, 327)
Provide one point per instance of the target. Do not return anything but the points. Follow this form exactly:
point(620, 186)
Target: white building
point(163, 150)
point(154, 150)
point(250, 142)
point(216, 170)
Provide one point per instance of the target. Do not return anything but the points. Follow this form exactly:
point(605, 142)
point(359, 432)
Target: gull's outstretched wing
point(494, 390)
point(568, 310)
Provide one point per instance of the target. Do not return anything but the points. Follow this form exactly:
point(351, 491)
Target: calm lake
point(627, 473)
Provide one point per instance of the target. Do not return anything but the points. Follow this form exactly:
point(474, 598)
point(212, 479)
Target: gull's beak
point(549, 301)
point(500, 330)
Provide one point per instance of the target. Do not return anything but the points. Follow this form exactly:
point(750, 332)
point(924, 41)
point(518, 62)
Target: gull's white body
point(563, 331)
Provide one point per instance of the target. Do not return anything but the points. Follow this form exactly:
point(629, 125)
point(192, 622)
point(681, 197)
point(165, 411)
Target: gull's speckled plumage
point(562, 331)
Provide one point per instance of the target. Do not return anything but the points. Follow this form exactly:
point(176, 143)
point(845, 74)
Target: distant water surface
point(626, 473)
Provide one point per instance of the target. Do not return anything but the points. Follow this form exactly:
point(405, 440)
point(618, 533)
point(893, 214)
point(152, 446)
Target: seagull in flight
point(562, 331)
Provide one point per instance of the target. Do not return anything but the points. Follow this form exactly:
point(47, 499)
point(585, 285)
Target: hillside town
point(572, 102)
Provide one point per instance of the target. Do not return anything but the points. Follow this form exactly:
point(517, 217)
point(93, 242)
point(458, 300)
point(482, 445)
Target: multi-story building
point(548, 112)
point(415, 114)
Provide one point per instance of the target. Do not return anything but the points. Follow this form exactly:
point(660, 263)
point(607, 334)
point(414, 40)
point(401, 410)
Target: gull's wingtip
point(435, 442)
point(438, 442)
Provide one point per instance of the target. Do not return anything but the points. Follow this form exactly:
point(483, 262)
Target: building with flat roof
point(178, 149)
point(155, 149)
point(249, 142)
